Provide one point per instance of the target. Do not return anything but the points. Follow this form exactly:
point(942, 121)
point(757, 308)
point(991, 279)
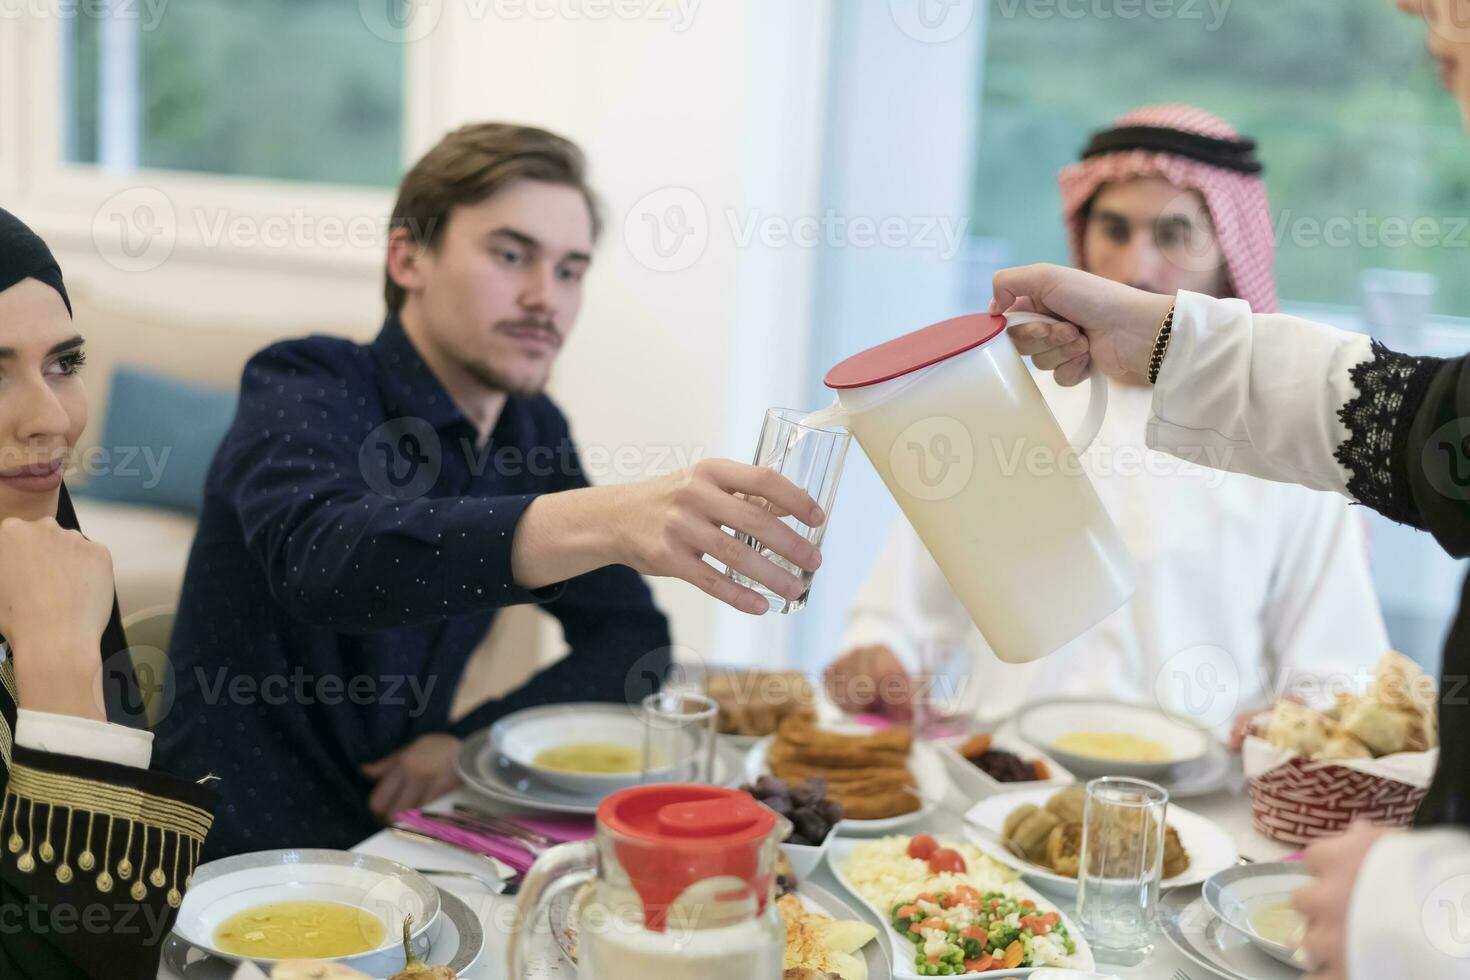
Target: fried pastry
point(1064, 849)
point(1067, 804)
point(1176, 858)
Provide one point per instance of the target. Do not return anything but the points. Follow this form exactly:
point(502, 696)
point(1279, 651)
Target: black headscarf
point(24, 256)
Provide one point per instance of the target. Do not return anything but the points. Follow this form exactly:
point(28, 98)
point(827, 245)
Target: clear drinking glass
point(946, 695)
point(1122, 862)
point(810, 457)
point(678, 737)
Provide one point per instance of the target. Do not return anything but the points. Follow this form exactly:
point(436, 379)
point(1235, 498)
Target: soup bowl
point(382, 889)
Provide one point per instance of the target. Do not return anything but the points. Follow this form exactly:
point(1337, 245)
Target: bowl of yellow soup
point(1255, 900)
point(590, 749)
point(1112, 738)
point(270, 906)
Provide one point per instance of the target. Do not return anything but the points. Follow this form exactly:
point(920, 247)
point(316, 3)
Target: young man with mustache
point(373, 506)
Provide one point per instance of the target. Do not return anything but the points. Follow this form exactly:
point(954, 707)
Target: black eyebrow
point(71, 343)
point(1108, 214)
point(531, 243)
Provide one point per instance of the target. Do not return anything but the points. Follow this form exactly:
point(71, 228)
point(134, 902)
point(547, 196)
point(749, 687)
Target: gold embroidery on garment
point(173, 824)
point(7, 737)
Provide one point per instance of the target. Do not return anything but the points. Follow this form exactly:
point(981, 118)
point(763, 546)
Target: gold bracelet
point(1161, 345)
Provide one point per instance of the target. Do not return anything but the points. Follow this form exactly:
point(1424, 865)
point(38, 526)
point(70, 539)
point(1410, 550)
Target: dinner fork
point(507, 828)
point(508, 876)
point(526, 843)
point(490, 885)
point(1180, 975)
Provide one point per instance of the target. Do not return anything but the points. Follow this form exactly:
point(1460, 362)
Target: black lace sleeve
point(1391, 386)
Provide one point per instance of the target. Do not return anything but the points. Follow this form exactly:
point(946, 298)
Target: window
point(297, 90)
point(1359, 141)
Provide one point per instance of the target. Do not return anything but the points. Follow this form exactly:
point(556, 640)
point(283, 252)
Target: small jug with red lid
point(678, 883)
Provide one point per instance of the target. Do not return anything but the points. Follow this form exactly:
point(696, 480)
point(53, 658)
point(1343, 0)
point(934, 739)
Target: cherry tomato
point(922, 846)
point(946, 859)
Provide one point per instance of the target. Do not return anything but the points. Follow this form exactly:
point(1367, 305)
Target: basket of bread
point(1366, 757)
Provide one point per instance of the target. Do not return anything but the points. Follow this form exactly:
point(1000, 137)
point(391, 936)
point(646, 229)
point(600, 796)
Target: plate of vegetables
point(951, 911)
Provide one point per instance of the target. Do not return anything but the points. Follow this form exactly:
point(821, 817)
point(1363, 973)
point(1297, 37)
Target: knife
point(509, 878)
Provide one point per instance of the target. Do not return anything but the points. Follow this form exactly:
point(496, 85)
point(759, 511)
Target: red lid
point(926, 346)
point(675, 834)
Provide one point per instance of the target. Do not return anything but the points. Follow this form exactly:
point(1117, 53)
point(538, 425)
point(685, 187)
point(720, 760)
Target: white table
point(1230, 809)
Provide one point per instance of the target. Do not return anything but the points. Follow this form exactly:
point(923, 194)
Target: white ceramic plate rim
point(456, 920)
point(902, 967)
point(1218, 884)
point(476, 767)
point(1193, 829)
point(949, 748)
point(522, 735)
point(1183, 905)
point(924, 762)
point(877, 951)
point(1184, 781)
point(221, 869)
point(1193, 742)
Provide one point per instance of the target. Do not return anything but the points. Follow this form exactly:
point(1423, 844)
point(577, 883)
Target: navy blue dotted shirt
point(353, 548)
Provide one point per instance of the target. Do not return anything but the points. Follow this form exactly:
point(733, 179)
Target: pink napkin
point(503, 848)
point(559, 829)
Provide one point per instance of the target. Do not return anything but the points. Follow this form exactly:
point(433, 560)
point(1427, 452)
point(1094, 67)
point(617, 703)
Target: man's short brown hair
point(471, 164)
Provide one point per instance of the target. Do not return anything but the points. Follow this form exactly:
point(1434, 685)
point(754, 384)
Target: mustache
point(530, 324)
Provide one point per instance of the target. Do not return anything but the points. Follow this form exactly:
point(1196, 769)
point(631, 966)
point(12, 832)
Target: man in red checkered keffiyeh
point(1170, 197)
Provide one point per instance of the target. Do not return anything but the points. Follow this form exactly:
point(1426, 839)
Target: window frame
point(218, 218)
point(11, 108)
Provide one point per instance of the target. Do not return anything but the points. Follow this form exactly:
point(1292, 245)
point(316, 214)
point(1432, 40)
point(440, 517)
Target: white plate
point(386, 889)
point(1202, 777)
point(561, 916)
point(1212, 945)
point(489, 774)
point(902, 950)
point(522, 736)
point(1234, 893)
point(1043, 722)
point(975, 783)
point(455, 939)
point(924, 762)
point(1210, 848)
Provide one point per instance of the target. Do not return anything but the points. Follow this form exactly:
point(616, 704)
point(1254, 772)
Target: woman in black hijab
point(96, 849)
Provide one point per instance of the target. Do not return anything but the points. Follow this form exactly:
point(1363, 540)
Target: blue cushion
point(159, 439)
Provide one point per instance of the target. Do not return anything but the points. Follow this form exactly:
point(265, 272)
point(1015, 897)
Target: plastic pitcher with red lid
point(954, 424)
point(681, 879)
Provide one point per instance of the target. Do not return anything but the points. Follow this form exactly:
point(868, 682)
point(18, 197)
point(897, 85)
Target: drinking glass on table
point(946, 695)
point(678, 737)
point(810, 456)
point(1121, 865)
